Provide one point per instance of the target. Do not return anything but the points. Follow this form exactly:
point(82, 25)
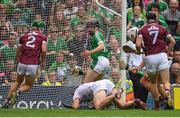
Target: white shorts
point(100, 65)
point(24, 69)
point(157, 62)
point(88, 90)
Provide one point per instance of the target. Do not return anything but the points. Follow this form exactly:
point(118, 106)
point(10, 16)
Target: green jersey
point(162, 6)
point(55, 66)
point(163, 22)
point(137, 23)
point(96, 39)
point(177, 36)
point(9, 52)
point(130, 14)
point(116, 32)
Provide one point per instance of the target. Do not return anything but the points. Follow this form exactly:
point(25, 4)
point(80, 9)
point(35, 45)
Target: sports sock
point(157, 104)
point(7, 100)
point(18, 92)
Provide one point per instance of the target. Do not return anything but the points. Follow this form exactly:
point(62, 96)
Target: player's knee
point(29, 80)
point(17, 83)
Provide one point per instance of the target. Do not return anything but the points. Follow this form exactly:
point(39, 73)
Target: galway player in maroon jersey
point(31, 53)
point(153, 39)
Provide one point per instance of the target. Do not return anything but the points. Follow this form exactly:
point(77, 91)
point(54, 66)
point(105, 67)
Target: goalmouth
point(123, 39)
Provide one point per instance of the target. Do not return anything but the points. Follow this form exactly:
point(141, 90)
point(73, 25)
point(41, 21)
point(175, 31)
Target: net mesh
point(67, 37)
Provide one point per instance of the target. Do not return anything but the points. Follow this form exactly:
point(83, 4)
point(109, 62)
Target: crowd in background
point(67, 35)
point(168, 15)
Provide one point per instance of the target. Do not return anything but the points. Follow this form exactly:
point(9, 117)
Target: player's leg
point(164, 74)
point(154, 89)
point(30, 75)
point(139, 90)
point(28, 84)
point(152, 63)
point(91, 76)
point(97, 69)
point(136, 102)
point(163, 70)
point(121, 105)
point(20, 78)
point(16, 85)
point(161, 88)
point(13, 89)
point(29, 79)
point(146, 83)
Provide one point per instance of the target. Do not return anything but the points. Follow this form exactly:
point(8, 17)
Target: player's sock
point(14, 97)
point(167, 90)
point(6, 103)
point(18, 92)
point(163, 98)
point(7, 100)
point(157, 105)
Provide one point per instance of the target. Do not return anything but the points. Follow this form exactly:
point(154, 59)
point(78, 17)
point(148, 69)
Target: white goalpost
point(123, 39)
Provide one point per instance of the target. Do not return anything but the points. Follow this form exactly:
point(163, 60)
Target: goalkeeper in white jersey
point(98, 52)
point(102, 93)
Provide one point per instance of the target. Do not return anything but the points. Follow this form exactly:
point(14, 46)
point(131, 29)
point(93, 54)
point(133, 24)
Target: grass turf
point(86, 113)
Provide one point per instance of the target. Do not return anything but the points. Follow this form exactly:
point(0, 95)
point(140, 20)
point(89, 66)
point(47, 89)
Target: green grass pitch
point(87, 113)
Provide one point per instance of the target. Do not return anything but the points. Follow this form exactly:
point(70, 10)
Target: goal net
point(67, 38)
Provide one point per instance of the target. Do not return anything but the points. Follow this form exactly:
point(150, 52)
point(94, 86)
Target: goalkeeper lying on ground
point(102, 93)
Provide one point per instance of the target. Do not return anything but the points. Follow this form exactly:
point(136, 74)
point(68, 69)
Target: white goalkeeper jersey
point(86, 91)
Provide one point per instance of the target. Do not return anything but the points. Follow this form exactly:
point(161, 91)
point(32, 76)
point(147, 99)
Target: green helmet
point(39, 24)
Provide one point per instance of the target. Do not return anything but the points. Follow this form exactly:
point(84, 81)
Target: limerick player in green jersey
point(98, 53)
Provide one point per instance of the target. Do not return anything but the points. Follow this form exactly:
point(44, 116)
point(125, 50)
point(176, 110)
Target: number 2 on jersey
point(30, 42)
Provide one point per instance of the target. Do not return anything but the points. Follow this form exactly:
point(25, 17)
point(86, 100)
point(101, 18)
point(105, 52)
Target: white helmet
point(132, 33)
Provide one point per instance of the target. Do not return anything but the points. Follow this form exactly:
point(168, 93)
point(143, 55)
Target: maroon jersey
point(31, 43)
point(154, 38)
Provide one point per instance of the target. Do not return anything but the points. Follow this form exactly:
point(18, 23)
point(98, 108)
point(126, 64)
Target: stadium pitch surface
point(87, 113)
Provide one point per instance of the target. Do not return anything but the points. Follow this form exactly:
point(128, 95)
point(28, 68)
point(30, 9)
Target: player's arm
point(171, 43)
point(18, 52)
point(128, 49)
point(99, 48)
point(76, 103)
point(76, 98)
point(129, 25)
point(136, 69)
point(43, 53)
point(138, 43)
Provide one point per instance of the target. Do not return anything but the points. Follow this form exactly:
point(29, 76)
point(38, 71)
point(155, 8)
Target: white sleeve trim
point(168, 36)
point(43, 41)
point(140, 35)
point(19, 44)
point(100, 42)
